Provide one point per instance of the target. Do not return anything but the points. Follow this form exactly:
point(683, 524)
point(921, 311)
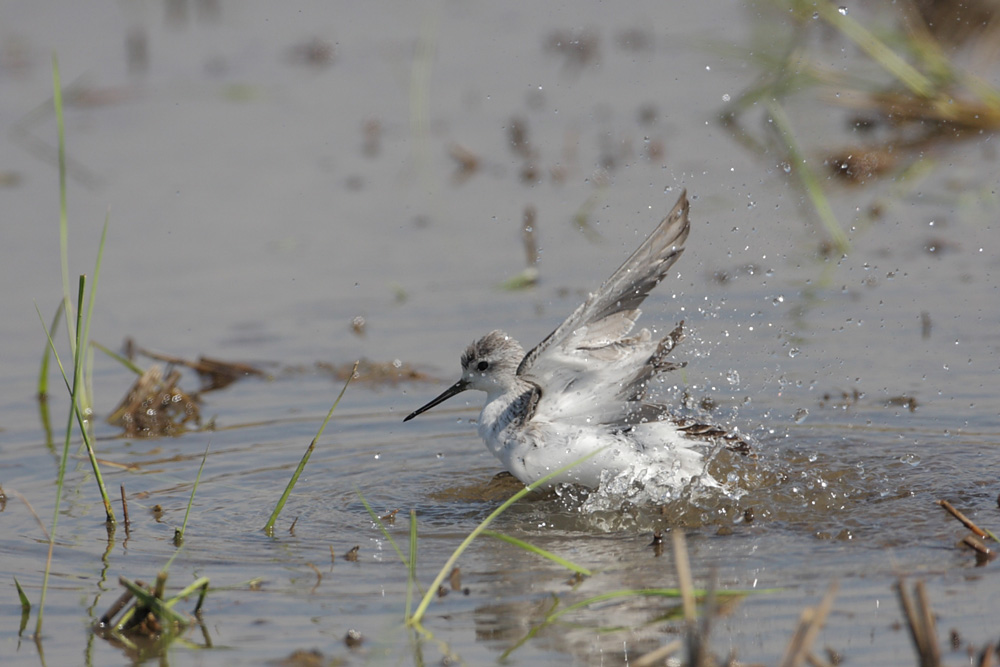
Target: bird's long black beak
point(456, 388)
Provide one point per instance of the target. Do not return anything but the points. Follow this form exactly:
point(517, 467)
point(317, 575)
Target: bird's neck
point(509, 404)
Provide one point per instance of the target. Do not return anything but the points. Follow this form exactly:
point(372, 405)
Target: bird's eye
point(483, 365)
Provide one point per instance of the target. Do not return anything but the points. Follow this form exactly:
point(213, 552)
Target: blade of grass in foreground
point(25, 606)
point(905, 73)
point(411, 569)
point(63, 228)
point(269, 526)
point(381, 526)
point(60, 478)
point(127, 363)
point(559, 560)
point(75, 409)
point(808, 178)
point(418, 614)
point(179, 534)
point(25, 603)
point(85, 338)
point(43, 371)
point(75, 395)
point(75, 412)
point(43, 381)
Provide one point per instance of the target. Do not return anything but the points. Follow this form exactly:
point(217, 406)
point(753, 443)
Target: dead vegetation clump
point(156, 406)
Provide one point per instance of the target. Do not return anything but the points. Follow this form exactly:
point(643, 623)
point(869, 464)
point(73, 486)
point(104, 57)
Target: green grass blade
point(127, 363)
point(808, 178)
point(411, 569)
point(84, 341)
point(418, 614)
point(78, 409)
point(43, 380)
point(60, 477)
point(179, 535)
point(888, 59)
point(63, 226)
point(160, 608)
point(25, 603)
point(269, 526)
point(43, 372)
point(25, 607)
point(200, 583)
point(559, 560)
point(382, 528)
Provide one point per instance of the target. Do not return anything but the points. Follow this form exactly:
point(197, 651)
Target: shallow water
point(251, 219)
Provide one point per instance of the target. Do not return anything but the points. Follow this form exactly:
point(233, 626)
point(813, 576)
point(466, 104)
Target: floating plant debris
point(155, 405)
point(214, 373)
point(468, 162)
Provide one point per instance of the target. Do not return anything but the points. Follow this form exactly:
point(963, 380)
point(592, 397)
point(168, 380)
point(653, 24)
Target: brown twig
point(683, 566)
point(657, 656)
point(113, 610)
point(810, 622)
point(319, 577)
point(966, 521)
point(128, 522)
point(920, 620)
point(975, 544)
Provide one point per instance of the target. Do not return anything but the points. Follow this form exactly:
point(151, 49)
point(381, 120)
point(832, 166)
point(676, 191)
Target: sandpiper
point(583, 389)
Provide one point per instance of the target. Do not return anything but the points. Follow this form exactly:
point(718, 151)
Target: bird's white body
point(533, 452)
point(582, 390)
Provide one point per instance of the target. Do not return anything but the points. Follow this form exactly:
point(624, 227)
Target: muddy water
point(273, 173)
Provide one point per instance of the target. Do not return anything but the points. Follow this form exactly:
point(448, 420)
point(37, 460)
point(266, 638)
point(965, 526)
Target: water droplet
point(378, 455)
point(815, 15)
point(778, 300)
point(794, 352)
point(910, 459)
point(733, 377)
point(800, 415)
point(725, 97)
point(842, 11)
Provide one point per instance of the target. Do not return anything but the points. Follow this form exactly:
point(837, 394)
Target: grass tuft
point(78, 328)
point(151, 616)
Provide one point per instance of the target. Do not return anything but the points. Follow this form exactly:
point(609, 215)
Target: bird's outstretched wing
point(589, 359)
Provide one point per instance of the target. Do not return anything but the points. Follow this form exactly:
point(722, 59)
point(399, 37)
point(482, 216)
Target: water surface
point(273, 172)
